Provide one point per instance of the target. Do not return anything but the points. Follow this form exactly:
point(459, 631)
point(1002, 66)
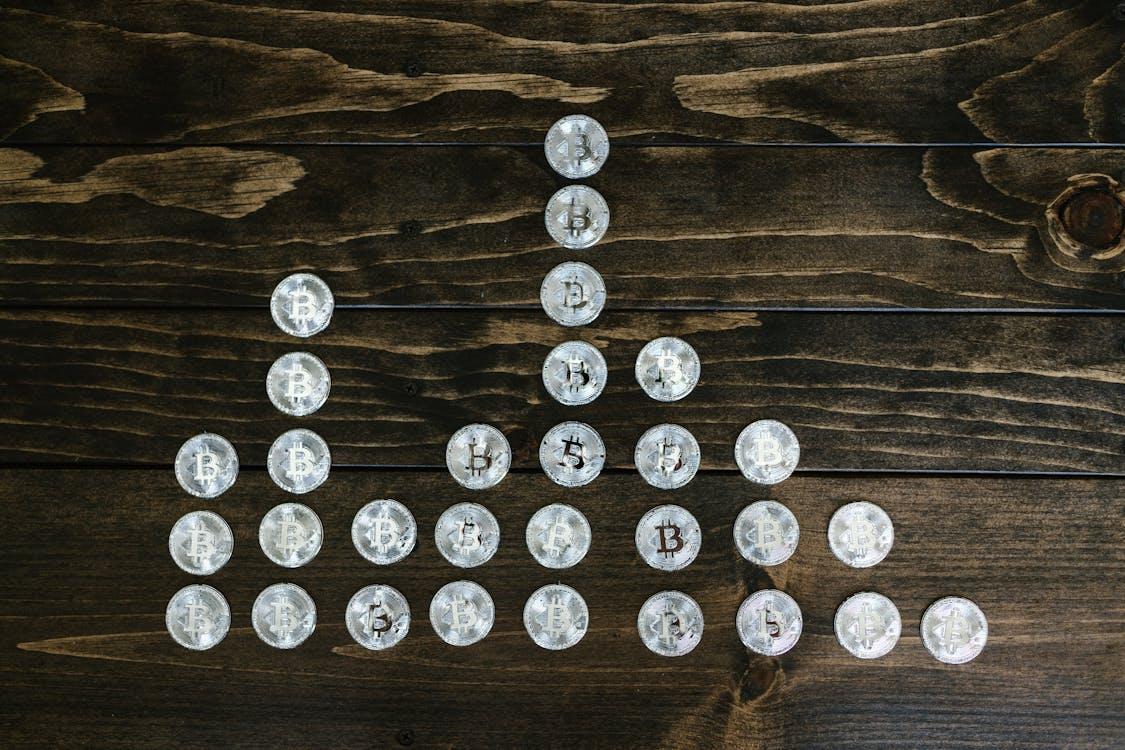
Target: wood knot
point(758, 678)
point(1086, 221)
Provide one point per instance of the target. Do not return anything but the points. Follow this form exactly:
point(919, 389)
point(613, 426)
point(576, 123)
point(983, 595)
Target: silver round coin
point(767, 451)
point(302, 305)
point(298, 383)
point(201, 542)
point(868, 625)
point(556, 617)
point(284, 615)
point(299, 461)
point(290, 534)
point(954, 630)
point(573, 294)
point(467, 535)
point(576, 146)
point(198, 617)
point(769, 622)
point(478, 456)
point(667, 456)
point(574, 373)
point(378, 617)
point(384, 531)
point(462, 613)
point(670, 623)
point(206, 465)
point(572, 454)
point(558, 536)
point(860, 534)
point(667, 368)
point(766, 533)
point(668, 537)
point(576, 216)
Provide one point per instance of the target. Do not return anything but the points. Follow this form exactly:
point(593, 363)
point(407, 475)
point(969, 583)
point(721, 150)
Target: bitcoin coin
point(868, 625)
point(478, 456)
point(572, 454)
point(467, 535)
point(573, 294)
point(556, 617)
point(283, 615)
point(767, 452)
point(290, 535)
point(668, 537)
point(201, 542)
point(302, 305)
point(576, 146)
point(954, 630)
point(206, 465)
point(769, 622)
point(299, 461)
point(670, 623)
point(860, 534)
point(667, 456)
point(384, 531)
point(558, 536)
point(576, 216)
point(378, 617)
point(198, 617)
point(462, 613)
point(298, 383)
point(766, 533)
point(574, 373)
point(667, 368)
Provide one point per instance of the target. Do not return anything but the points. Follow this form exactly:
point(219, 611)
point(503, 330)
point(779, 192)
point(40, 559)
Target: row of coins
point(298, 461)
point(575, 372)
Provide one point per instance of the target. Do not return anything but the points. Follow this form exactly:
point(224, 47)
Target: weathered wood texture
point(691, 227)
point(294, 70)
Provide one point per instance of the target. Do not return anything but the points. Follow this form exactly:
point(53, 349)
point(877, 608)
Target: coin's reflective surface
point(467, 535)
point(462, 613)
point(302, 305)
point(572, 454)
point(384, 531)
point(378, 617)
point(298, 383)
point(577, 216)
point(478, 456)
point(201, 542)
point(290, 534)
point(573, 294)
point(767, 451)
point(574, 373)
point(556, 617)
point(766, 533)
point(198, 617)
point(667, 456)
point(769, 622)
point(206, 465)
point(299, 461)
point(667, 368)
point(868, 625)
point(284, 615)
point(576, 146)
point(558, 536)
point(670, 623)
point(668, 537)
point(954, 630)
point(860, 534)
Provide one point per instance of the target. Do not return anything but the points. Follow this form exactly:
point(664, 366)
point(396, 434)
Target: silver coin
point(769, 622)
point(668, 537)
point(462, 613)
point(467, 535)
point(576, 216)
point(576, 146)
point(298, 383)
point(667, 456)
point(384, 531)
point(667, 368)
point(860, 534)
point(302, 305)
point(284, 615)
point(201, 542)
point(954, 629)
point(556, 617)
point(478, 456)
point(299, 461)
point(206, 465)
point(558, 536)
point(378, 617)
point(767, 452)
point(290, 535)
point(670, 623)
point(574, 373)
point(868, 625)
point(766, 533)
point(572, 454)
point(573, 294)
point(198, 617)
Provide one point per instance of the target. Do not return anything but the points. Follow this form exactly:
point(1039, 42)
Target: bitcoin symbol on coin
point(464, 615)
point(577, 374)
point(480, 458)
point(291, 535)
point(864, 626)
point(202, 543)
point(768, 626)
point(206, 466)
point(300, 462)
point(559, 537)
point(670, 458)
point(860, 534)
point(378, 619)
point(199, 620)
point(385, 532)
point(297, 382)
point(953, 631)
point(768, 534)
point(572, 453)
point(558, 619)
point(670, 628)
point(281, 623)
point(466, 537)
point(669, 532)
point(302, 305)
point(578, 217)
point(574, 295)
point(670, 372)
point(766, 451)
